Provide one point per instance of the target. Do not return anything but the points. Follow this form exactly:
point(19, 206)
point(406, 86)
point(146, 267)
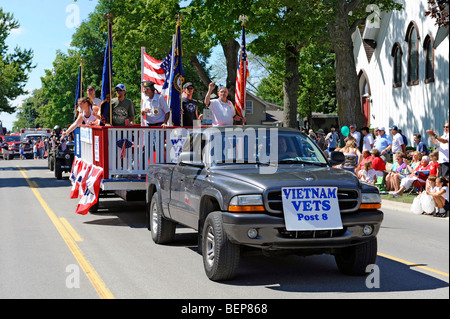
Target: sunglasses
point(445, 126)
point(118, 90)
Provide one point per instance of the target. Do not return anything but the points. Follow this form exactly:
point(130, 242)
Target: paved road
point(48, 251)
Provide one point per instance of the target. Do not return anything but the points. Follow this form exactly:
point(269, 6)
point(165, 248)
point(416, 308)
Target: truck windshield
point(12, 138)
point(265, 147)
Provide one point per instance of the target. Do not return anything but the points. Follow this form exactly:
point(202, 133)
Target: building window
point(412, 37)
point(397, 55)
point(248, 107)
point(429, 58)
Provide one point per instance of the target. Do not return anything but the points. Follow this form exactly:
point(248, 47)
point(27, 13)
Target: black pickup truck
point(269, 188)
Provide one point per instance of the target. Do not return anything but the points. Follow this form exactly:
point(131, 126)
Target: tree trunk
point(290, 87)
point(231, 52)
point(200, 70)
point(347, 86)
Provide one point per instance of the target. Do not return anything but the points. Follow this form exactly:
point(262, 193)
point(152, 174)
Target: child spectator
point(434, 165)
point(441, 196)
point(368, 174)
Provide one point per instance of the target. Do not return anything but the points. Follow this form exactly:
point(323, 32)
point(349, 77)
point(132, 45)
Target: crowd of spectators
point(383, 159)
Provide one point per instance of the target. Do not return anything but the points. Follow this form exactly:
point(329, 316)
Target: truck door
point(185, 192)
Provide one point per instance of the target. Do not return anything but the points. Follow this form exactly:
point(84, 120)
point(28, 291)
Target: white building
point(403, 80)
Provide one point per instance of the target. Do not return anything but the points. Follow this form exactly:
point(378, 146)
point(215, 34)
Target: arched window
point(412, 37)
point(429, 58)
point(397, 55)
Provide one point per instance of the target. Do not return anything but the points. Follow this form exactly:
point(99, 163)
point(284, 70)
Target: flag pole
point(243, 80)
point(142, 80)
point(109, 15)
point(179, 16)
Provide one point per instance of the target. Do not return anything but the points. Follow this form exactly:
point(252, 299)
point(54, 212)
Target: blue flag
point(106, 80)
point(79, 92)
point(176, 79)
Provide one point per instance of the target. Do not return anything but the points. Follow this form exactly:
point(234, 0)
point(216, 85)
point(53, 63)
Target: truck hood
point(290, 176)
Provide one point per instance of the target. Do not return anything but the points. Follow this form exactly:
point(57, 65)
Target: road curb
point(390, 204)
point(399, 206)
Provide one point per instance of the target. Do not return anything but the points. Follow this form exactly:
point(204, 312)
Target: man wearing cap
point(155, 110)
point(190, 112)
point(382, 143)
point(397, 141)
point(122, 108)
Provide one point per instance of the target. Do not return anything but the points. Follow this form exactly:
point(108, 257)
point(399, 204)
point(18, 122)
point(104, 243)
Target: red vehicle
point(11, 147)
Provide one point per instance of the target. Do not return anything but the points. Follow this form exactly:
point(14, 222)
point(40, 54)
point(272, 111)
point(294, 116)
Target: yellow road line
point(413, 264)
point(90, 272)
point(70, 229)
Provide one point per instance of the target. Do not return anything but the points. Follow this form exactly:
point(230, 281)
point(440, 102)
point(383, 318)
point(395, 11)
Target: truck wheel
point(58, 170)
point(355, 259)
point(220, 256)
point(51, 163)
point(162, 229)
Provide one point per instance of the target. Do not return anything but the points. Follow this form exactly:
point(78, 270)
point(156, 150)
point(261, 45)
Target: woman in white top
point(88, 115)
point(223, 111)
point(440, 195)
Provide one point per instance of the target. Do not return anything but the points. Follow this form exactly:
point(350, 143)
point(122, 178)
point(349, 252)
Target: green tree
point(343, 17)
point(28, 112)
point(14, 67)
point(59, 88)
point(284, 27)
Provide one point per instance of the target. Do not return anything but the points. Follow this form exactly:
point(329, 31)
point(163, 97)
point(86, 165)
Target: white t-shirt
point(445, 195)
point(397, 142)
point(443, 149)
point(222, 112)
point(367, 142)
point(158, 108)
point(369, 175)
point(97, 101)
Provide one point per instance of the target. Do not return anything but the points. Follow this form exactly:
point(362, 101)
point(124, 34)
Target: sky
point(45, 26)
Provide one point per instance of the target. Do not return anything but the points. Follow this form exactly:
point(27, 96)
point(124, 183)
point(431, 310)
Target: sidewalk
point(401, 207)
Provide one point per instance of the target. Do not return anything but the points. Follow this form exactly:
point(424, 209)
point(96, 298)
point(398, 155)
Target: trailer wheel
point(162, 229)
point(220, 256)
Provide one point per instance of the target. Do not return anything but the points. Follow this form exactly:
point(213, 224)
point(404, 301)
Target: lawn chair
point(419, 184)
point(380, 184)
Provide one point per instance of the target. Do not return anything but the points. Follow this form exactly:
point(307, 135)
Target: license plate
point(311, 208)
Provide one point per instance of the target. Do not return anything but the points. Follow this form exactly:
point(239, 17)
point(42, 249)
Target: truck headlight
point(246, 203)
point(370, 201)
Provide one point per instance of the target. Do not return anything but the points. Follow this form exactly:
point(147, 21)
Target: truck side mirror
point(336, 158)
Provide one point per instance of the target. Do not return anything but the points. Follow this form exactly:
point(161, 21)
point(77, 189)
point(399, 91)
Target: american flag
point(153, 71)
point(241, 78)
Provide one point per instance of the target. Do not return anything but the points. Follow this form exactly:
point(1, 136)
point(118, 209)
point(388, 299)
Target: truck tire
point(220, 256)
point(354, 260)
point(162, 229)
point(51, 163)
point(58, 170)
